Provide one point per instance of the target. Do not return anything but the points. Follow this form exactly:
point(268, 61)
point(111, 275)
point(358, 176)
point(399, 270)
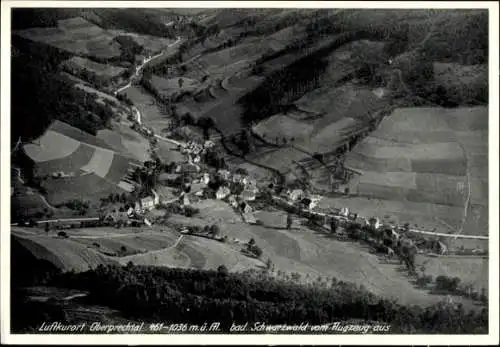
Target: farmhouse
point(147, 203)
point(310, 202)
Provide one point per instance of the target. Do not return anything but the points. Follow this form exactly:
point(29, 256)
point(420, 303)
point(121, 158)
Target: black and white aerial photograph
point(248, 170)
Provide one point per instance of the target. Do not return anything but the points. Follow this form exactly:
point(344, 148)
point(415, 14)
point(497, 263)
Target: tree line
point(195, 296)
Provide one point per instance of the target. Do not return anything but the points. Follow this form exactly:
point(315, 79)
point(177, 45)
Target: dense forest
point(39, 94)
point(197, 296)
point(140, 21)
point(23, 18)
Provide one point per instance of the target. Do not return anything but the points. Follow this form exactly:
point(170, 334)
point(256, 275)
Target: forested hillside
point(40, 95)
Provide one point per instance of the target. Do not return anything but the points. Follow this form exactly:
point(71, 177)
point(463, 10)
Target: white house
point(315, 199)
point(205, 179)
point(222, 193)
point(295, 194)
point(147, 203)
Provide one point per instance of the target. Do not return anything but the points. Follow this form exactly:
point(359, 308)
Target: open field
point(104, 72)
point(63, 253)
point(471, 270)
point(441, 153)
point(279, 127)
point(126, 141)
point(78, 36)
point(153, 114)
point(168, 152)
point(130, 244)
point(89, 165)
point(85, 187)
point(151, 44)
point(300, 250)
point(172, 87)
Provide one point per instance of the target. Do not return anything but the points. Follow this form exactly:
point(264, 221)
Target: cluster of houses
point(238, 199)
point(194, 150)
point(304, 203)
point(303, 199)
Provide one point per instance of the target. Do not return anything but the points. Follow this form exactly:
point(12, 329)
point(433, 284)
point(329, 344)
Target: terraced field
point(435, 158)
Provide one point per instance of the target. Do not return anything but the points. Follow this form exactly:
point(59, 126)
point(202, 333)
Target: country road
point(417, 231)
point(141, 66)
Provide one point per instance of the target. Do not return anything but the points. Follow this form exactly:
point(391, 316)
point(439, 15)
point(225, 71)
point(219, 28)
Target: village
point(177, 187)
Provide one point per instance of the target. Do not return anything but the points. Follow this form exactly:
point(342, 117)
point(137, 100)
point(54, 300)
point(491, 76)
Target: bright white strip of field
point(100, 162)
point(51, 146)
